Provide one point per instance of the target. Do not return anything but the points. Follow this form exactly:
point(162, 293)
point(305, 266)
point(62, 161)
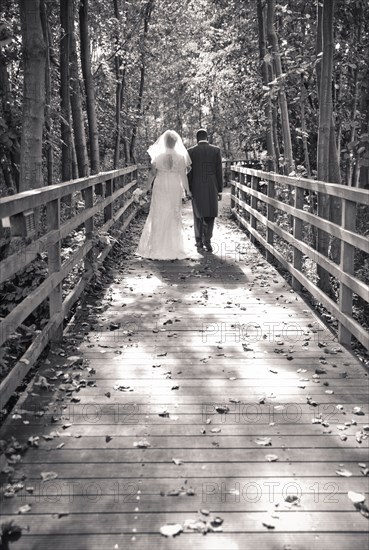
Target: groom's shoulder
point(214, 147)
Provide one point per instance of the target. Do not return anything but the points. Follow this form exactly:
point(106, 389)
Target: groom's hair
point(201, 134)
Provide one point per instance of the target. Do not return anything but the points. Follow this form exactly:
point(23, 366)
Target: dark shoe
point(200, 248)
point(209, 248)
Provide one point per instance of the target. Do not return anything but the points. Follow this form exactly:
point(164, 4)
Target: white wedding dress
point(163, 236)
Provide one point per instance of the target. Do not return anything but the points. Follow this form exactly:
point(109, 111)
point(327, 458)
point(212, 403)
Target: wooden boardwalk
point(199, 393)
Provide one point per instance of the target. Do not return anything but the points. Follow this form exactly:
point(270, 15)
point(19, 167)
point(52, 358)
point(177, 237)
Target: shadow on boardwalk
point(203, 394)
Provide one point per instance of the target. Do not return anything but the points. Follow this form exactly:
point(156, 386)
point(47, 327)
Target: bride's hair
point(170, 140)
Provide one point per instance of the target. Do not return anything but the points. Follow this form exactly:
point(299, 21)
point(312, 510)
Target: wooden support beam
point(297, 233)
point(54, 266)
point(89, 227)
point(254, 204)
point(347, 266)
point(270, 217)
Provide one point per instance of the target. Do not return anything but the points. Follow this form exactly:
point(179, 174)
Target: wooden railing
point(111, 206)
point(227, 165)
point(256, 199)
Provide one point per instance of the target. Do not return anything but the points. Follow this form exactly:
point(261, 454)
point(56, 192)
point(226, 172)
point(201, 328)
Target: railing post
point(54, 266)
point(89, 226)
point(108, 210)
point(347, 266)
point(233, 190)
point(254, 205)
point(297, 233)
point(242, 195)
point(271, 218)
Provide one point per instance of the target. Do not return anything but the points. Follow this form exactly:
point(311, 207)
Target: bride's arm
point(185, 185)
point(151, 176)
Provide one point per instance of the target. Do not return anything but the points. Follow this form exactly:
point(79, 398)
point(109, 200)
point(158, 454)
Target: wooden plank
point(335, 190)
point(150, 522)
point(348, 458)
point(108, 210)
point(217, 541)
point(89, 228)
point(119, 499)
point(54, 266)
point(254, 205)
point(347, 266)
point(270, 217)
point(297, 234)
point(38, 197)
point(348, 236)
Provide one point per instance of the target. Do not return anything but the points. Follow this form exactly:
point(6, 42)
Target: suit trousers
point(203, 229)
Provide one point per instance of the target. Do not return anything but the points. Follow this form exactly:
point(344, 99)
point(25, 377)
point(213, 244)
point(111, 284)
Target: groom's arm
point(190, 173)
point(219, 172)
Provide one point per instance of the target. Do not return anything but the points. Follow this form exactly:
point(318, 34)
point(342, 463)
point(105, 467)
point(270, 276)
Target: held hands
point(219, 196)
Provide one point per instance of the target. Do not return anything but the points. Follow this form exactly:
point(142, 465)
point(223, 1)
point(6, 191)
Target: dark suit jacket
point(205, 179)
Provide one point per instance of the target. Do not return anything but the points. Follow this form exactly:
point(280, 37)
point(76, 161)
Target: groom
point(206, 184)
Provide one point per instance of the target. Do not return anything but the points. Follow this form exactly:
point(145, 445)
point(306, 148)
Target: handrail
point(114, 202)
point(253, 190)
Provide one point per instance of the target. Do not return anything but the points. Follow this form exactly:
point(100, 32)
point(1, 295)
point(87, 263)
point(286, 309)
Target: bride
point(163, 237)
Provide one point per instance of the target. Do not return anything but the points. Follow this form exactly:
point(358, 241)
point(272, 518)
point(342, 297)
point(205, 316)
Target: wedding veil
point(169, 141)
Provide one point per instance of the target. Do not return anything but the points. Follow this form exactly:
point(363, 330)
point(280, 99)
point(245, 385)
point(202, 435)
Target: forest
point(88, 85)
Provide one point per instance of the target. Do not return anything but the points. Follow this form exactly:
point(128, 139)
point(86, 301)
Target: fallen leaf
point(171, 529)
point(271, 458)
point(356, 498)
point(343, 472)
point(269, 523)
point(48, 476)
point(142, 444)
point(177, 461)
point(222, 409)
point(263, 441)
point(24, 509)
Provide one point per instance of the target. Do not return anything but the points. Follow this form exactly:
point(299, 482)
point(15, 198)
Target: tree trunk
point(124, 125)
point(118, 90)
point(325, 26)
point(34, 65)
point(89, 87)
point(77, 111)
point(303, 127)
point(272, 162)
point(65, 119)
point(147, 15)
point(286, 133)
point(363, 175)
point(49, 153)
point(12, 150)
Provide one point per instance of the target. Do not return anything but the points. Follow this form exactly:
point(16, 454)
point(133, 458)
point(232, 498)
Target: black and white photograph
point(184, 274)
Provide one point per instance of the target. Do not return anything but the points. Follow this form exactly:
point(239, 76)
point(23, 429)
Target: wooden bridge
point(190, 397)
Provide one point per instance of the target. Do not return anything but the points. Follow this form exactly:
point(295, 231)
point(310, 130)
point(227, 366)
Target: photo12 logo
point(272, 491)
